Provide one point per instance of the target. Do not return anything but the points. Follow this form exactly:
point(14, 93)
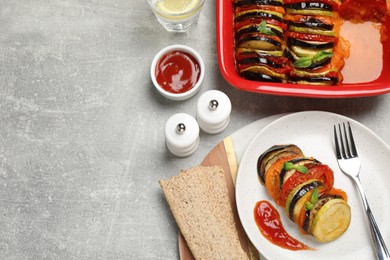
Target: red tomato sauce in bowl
point(177, 71)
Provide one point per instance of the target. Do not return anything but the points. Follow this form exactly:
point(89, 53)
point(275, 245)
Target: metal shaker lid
point(213, 111)
point(182, 134)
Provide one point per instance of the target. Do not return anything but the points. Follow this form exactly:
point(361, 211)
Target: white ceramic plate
point(313, 133)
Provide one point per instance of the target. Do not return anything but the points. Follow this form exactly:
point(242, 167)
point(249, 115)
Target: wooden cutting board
point(228, 154)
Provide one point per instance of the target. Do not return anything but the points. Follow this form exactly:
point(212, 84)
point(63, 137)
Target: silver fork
point(349, 163)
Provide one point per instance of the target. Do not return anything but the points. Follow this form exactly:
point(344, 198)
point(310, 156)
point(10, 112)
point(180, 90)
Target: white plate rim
point(269, 251)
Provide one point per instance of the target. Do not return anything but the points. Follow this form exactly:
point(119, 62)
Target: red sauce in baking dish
point(177, 71)
point(268, 221)
point(359, 11)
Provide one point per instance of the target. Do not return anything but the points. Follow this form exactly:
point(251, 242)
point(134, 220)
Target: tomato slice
point(320, 172)
point(277, 64)
point(311, 37)
point(338, 192)
point(258, 20)
point(272, 178)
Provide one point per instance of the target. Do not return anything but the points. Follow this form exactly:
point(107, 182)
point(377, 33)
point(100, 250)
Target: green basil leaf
point(262, 26)
point(303, 62)
point(309, 206)
point(264, 29)
point(301, 169)
point(322, 55)
point(288, 166)
point(314, 196)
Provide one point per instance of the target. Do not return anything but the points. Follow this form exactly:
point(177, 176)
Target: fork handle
point(380, 246)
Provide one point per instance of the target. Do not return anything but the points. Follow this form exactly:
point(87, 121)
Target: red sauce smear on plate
point(177, 71)
point(268, 221)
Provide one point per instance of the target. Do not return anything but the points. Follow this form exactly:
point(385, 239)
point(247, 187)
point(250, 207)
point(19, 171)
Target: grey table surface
point(81, 127)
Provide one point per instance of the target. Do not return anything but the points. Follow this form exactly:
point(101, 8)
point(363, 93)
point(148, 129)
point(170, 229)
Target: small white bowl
point(177, 96)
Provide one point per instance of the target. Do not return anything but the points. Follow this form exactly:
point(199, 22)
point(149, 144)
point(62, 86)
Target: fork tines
point(346, 143)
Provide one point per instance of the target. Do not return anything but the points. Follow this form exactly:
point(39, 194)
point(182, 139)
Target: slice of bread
point(198, 199)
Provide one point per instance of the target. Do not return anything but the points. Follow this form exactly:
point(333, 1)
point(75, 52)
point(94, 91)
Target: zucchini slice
point(299, 29)
point(303, 73)
point(309, 44)
point(331, 220)
point(307, 52)
point(264, 70)
point(260, 41)
point(309, 215)
point(259, 52)
point(309, 12)
point(314, 79)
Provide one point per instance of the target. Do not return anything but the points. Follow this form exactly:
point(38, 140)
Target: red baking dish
point(225, 44)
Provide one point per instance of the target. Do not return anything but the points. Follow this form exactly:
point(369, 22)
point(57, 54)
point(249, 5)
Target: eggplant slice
point(272, 155)
point(309, 44)
point(238, 3)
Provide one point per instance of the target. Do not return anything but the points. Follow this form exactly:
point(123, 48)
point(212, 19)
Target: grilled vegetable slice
point(241, 52)
point(331, 220)
point(309, 44)
point(273, 59)
point(334, 3)
point(301, 161)
point(313, 75)
point(309, 8)
point(318, 22)
point(311, 37)
point(299, 193)
point(310, 213)
point(272, 155)
point(261, 69)
point(260, 41)
point(237, 3)
point(302, 5)
point(253, 27)
point(250, 75)
point(260, 13)
point(299, 29)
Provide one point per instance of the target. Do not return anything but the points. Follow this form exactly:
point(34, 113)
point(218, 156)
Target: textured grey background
point(81, 127)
